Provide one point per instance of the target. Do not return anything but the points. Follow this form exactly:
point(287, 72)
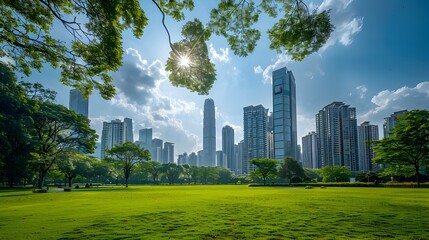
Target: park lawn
point(216, 212)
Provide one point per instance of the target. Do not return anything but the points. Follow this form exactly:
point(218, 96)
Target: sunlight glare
point(184, 61)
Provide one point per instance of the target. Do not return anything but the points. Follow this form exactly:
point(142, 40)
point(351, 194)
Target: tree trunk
point(417, 175)
point(264, 181)
point(70, 181)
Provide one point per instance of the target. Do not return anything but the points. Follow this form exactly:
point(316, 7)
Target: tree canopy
point(93, 49)
point(265, 168)
point(409, 145)
point(335, 174)
point(128, 154)
point(290, 168)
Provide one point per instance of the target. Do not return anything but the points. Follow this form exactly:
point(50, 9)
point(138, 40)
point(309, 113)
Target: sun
point(184, 61)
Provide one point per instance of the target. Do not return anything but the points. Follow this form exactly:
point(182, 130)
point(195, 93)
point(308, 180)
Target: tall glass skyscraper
point(255, 135)
point(390, 122)
point(78, 103)
point(209, 133)
point(284, 114)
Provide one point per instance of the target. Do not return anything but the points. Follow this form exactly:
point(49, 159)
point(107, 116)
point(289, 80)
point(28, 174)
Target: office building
point(78, 103)
point(367, 133)
point(255, 135)
point(310, 151)
point(228, 146)
point(209, 133)
point(336, 128)
point(240, 158)
point(114, 132)
point(284, 114)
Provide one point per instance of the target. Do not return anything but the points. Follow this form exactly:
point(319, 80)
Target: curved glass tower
point(209, 133)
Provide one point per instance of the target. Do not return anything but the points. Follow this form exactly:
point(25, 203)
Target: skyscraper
point(309, 151)
point(367, 133)
point(168, 152)
point(228, 146)
point(145, 139)
point(193, 159)
point(157, 149)
point(209, 133)
point(336, 128)
point(220, 158)
point(255, 135)
point(78, 103)
point(270, 136)
point(284, 114)
point(114, 132)
point(240, 158)
point(390, 122)
point(130, 134)
point(182, 159)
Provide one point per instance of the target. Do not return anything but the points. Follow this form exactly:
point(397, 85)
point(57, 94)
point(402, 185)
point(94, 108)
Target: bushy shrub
point(38, 190)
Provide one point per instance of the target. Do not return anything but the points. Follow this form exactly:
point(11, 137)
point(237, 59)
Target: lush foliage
point(216, 212)
point(265, 168)
point(290, 168)
point(43, 129)
point(128, 154)
point(409, 145)
point(93, 47)
point(335, 174)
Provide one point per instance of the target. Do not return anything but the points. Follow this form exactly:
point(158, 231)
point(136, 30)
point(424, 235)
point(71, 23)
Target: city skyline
point(366, 63)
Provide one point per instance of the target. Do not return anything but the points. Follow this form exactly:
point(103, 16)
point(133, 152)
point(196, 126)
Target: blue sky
point(376, 60)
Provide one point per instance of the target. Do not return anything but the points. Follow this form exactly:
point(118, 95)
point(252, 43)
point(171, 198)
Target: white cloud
point(342, 17)
point(138, 92)
point(220, 56)
point(386, 102)
point(348, 29)
point(362, 90)
point(280, 62)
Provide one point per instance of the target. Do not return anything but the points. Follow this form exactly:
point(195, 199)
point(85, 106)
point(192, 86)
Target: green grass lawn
point(216, 212)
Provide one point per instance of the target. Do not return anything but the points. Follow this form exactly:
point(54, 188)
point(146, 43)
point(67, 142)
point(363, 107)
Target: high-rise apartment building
point(310, 151)
point(130, 134)
point(284, 114)
point(182, 159)
point(168, 152)
point(78, 103)
point(228, 146)
point(157, 150)
point(336, 127)
point(209, 133)
point(114, 132)
point(390, 122)
point(366, 134)
point(255, 135)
